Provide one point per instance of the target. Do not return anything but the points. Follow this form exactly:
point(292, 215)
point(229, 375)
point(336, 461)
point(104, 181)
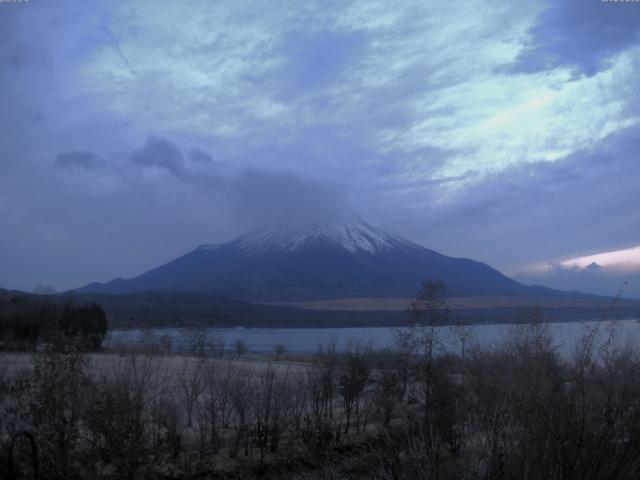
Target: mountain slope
point(318, 262)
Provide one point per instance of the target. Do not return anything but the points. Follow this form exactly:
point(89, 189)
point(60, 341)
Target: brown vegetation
point(518, 411)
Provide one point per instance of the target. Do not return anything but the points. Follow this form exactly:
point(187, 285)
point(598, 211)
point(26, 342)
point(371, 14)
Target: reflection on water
point(306, 340)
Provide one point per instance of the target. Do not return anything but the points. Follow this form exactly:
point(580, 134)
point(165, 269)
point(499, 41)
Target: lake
point(307, 340)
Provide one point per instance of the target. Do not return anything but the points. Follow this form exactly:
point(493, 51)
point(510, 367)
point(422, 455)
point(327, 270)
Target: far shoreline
point(336, 319)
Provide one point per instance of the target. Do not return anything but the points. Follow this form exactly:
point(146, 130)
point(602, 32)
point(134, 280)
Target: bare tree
point(270, 408)
point(387, 385)
point(190, 385)
point(241, 397)
point(198, 342)
point(218, 344)
point(211, 408)
point(240, 347)
point(428, 313)
point(353, 376)
point(279, 349)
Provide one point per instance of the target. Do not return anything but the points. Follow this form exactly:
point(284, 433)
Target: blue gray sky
point(132, 131)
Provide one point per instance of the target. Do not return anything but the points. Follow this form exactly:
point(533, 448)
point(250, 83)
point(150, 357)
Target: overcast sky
point(505, 131)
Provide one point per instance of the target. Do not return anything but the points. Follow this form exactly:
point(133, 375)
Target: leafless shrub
point(115, 421)
point(56, 400)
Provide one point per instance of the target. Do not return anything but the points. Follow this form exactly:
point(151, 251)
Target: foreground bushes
point(518, 411)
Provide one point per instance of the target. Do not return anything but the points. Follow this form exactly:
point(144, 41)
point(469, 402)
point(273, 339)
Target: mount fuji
point(317, 262)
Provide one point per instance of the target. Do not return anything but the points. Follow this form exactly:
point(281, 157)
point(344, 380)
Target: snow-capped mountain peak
point(316, 261)
point(353, 237)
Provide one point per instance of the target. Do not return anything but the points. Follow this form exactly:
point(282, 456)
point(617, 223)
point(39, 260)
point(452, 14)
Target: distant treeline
point(27, 320)
point(159, 309)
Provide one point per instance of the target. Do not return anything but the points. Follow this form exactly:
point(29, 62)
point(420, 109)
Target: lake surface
point(307, 340)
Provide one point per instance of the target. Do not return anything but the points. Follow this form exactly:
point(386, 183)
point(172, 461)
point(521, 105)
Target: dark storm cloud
point(161, 153)
point(581, 34)
point(79, 160)
point(261, 197)
point(256, 196)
